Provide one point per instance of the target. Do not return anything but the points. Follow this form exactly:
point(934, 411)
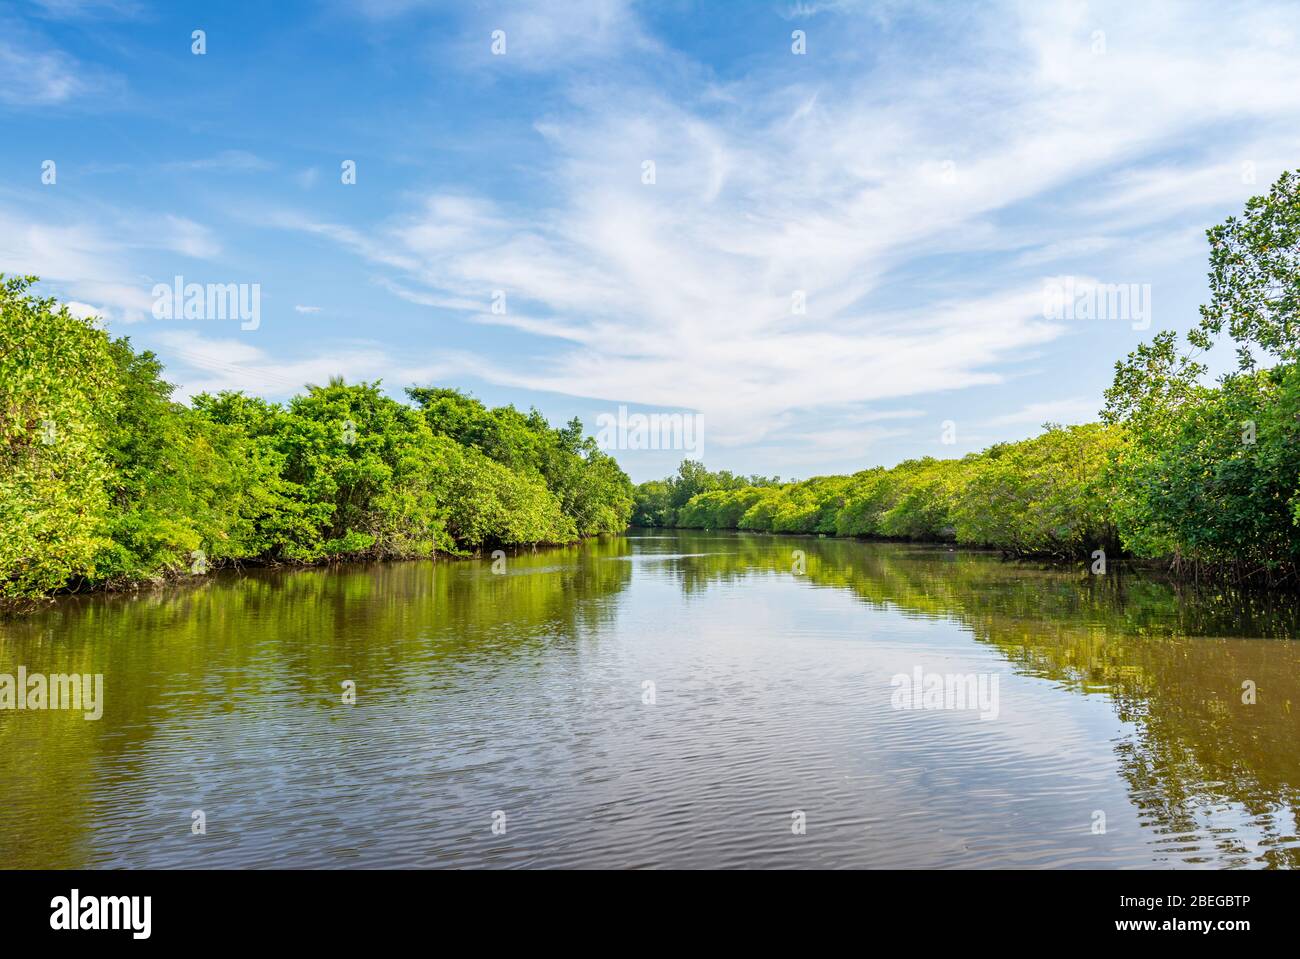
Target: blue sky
point(921, 174)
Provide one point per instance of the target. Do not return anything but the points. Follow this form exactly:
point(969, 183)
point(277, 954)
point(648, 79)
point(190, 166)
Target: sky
point(832, 232)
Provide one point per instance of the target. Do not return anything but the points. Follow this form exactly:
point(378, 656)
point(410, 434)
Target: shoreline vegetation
point(1201, 480)
point(107, 483)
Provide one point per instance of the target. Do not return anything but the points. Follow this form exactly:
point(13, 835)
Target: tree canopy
point(105, 480)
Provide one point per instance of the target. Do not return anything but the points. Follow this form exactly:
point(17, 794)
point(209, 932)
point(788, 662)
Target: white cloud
point(90, 260)
point(83, 311)
point(204, 364)
point(123, 303)
point(89, 9)
point(78, 256)
point(36, 78)
point(542, 36)
point(539, 35)
point(862, 184)
point(187, 237)
point(1069, 249)
point(1080, 409)
point(229, 161)
point(679, 294)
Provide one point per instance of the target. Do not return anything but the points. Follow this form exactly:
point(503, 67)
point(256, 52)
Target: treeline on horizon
point(105, 481)
point(1204, 477)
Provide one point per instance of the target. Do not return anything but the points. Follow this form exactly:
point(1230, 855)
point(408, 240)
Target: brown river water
point(662, 699)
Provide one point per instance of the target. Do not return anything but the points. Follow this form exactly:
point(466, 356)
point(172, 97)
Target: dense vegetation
point(1047, 495)
point(1205, 476)
point(105, 481)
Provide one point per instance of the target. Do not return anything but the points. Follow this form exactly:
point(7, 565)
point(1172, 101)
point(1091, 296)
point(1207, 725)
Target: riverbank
point(1204, 477)
point(1160, 569)
point(108, 482)
point(175, 579)
point(1066, 496)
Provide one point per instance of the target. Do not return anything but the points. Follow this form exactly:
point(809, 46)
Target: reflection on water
point(525, 694)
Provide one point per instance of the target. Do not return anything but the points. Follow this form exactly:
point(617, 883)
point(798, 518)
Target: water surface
point(526, 696)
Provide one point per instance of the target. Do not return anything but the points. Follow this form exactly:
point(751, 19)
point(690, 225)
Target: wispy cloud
point(681, 292)
point(230, 161)
point(208, 364)
point(528, 35)
point(89, 9)
point(89, 259)
point(35, 75)
point(824, 238)
point(185, 236)
point(1076, 410)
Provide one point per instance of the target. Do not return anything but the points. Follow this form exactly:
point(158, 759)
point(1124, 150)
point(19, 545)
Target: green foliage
point(659, 502)
point(870, 494)
point(1049, 495)
point(487, 503)
point(1255, 277)
point(181, 485)
point(58, 395)
point(105, 480)
point(719, 509)
point(810, 506)
point(593, 491)
point(924, 495)
point(1210, 475)
point(653, 504)
point(1213, 481)
point(911, 501)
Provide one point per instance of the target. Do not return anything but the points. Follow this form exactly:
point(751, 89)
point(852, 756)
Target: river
point(661, 699)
